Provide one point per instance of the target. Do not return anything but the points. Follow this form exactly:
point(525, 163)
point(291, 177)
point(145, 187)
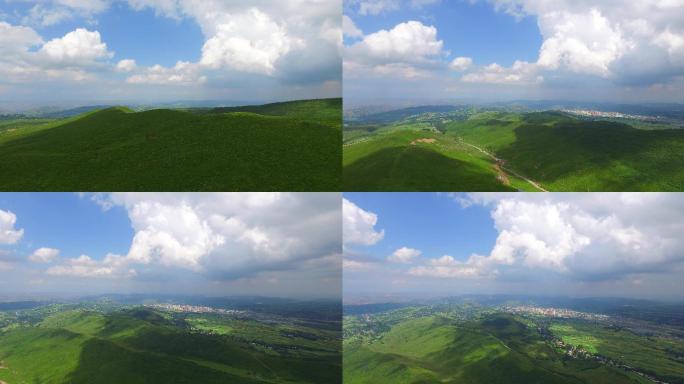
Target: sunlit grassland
point(408, 160)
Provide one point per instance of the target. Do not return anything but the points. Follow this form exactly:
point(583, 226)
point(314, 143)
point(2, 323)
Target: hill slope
point(142, 346)
point(565, 154)
point(326, 110)
point(498, 349)
point(523, 151)
point(114, 149)
point(410, 160)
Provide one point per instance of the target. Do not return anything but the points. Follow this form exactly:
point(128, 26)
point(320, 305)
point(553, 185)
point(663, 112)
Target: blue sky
point(89, 230)
point(214, 244)
point(410, 219)
point(147, 51)
point(474, 30)
point(583, 50)
point(588, 244)
point(130, 33)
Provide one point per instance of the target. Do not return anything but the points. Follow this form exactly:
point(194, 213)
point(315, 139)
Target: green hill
point(566, 154)
point(327, 110)
point(553, 150)
point(408, 160)
point(142, 346)
point(291, 146)
point(498, 349)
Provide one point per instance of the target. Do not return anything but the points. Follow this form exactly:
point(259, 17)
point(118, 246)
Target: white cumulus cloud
point(80, 46)
point(589, 236)
point(520, 72)
point(407, 42)
point(375, 7)
point(247, 42)
point(358, 226)
point(17, 39)
point(627, 42)
point(409, 50)
point(223, 235)
point(8, 233)
point(183, 74)
point(349, 27)
point(126, 65)
point(446, 267)
point(173, 235)
point(111, 267)
point(404, 255)
point(461, 63)
point(274, 39)
point(44, 255)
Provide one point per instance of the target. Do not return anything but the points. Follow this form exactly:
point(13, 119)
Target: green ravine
point(291, 146)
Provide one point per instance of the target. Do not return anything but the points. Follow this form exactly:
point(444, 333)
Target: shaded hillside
point(566, 154)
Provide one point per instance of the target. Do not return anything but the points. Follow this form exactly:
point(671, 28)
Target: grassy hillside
point(498, 349)
point(143, 346)
point(325, 110)
point(553, 150)
point(289, 146)
point(416, 160)
point(565, 154)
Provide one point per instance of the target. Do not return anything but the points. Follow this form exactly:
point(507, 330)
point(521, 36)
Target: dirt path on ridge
point(500, 166)
point(426, 141)
point(501, 175)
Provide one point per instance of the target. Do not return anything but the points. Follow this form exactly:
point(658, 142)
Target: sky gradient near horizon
point(219, 244)
point(501, 50)
point(548, 244)
point(149, 51)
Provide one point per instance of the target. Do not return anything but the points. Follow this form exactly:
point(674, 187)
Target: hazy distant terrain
point(283, 146)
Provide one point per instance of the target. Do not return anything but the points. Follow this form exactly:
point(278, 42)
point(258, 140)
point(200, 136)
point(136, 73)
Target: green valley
point(471, 341)
point(206, 341)
point(497, 149)
point(293, 146)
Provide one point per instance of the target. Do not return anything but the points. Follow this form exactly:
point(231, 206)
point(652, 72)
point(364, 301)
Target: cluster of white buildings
point(184, 308)
point(555, 312)
point(593, 113)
